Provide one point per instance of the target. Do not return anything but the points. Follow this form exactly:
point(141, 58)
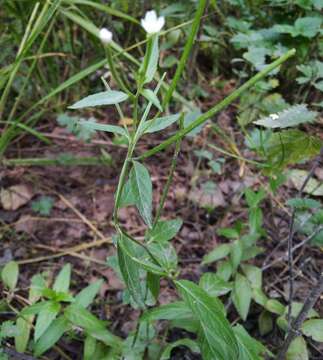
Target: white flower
point(105, 36)
point(274, 116)
point(151, 23)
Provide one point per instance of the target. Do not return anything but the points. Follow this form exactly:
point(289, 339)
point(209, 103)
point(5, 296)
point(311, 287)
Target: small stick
point(293, 331)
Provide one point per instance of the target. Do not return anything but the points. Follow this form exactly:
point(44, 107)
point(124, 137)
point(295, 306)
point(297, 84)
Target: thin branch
point(294, 329)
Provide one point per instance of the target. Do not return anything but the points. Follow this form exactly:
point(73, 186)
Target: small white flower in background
point(151, 23)
point(274, 116)
point(105, 36)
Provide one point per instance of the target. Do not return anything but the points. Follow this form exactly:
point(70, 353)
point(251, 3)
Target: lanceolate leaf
point(177, 310)
point(161, 123)
point(214, 285)
point(241, 295)
point(86, 296)
point(209, 311)
point(109, 97)
point(218, 253)
point(53, 333)
point(62, 281)
point(293, 116)
point(164, 230)
point(130, 271)
point(152, 97)
point(45, 318)
point(142, 190)
point(153, 59)
point(9, 275)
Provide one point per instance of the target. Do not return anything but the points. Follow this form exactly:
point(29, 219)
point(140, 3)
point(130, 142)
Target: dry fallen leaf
point(15, 196)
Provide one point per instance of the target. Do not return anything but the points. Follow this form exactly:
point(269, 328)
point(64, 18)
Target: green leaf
point(91, 125)
point(153, 283)
point(139, 256)
point(109, 97)
point(127, 196)
point(50, 337)
point(177, 310)
point(254, 275)
point(45, 317)
point(86, 296)
point(307, 26)
point(81, 317)
point(130, 270)
point(265, 323)
point(164, 230)
point(89, 348)
point(297, 350)
point(43, 206)
point(152, 97)
point(229, 233)
point(141, 187)
point(189, 118)
point(160, 123)
point(249, 348)
point(191, 344)
point(314, 329)
point(165, 254)
point(218, 253)
point(22, 338)
point(35, 308)
point(214, 285)
point(209, 311)
point(224, 270)
point(236, 252)
point(274, 306)
point(62, 281)
point(153, 59)
point(9, 275)
point(291, 147)
point(241, 295)
point(293, 116)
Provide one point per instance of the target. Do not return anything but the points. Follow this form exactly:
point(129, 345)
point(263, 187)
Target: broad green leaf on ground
point(254, 275)
point(307, 27)
point(303, 204)
point(314, 329)
point(313, 187)
point(109, 97)
point(160, 123)
point(297, 350)
point(52, 334)
point(164, 230)
point(209, 312)
point(9, 275)
point(217, 253)
point(265, 322)
point(249, 348)
point(224, 270)
point(293, 116)
point(62, 281)
point(43, 206)
point(191, 344)
point(86, 296)
point(22, 337)
point(236, 251)
point(176, 310)
point(152, 97)
point(81, 317)
point(141, 188)
point(214, 285)
point(45, 318)
point(130, 270)
point(291, 147)
point(241, 295)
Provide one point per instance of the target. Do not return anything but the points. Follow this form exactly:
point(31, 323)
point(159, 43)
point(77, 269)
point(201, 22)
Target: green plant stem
point(220, 106)
point(186, 52)
point(91, 160)
point(170, 176)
